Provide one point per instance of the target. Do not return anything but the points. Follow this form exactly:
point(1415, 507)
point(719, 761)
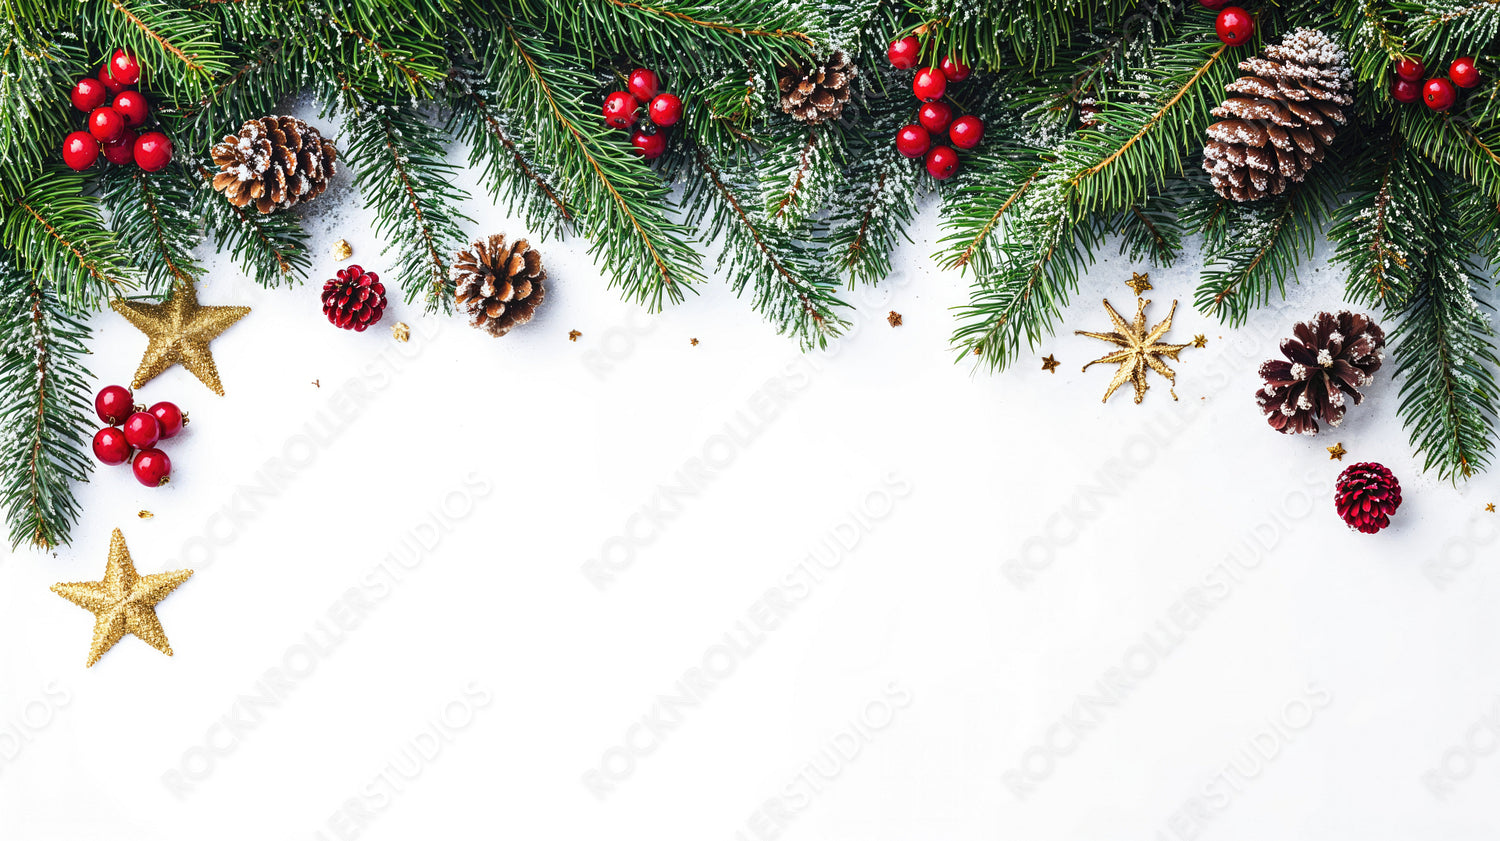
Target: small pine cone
point(499, 286)
point(818, 93)
point(354, 300)
point(1327, 358)
point(1366, 497)
point(273, 163)
point(1282, 118)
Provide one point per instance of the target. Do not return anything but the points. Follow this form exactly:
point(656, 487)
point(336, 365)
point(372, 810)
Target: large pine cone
point(1329, 357)
point(1284, 117)
point(818, 93)
point(274, 163)
point(499, 286)
point(1366, 496)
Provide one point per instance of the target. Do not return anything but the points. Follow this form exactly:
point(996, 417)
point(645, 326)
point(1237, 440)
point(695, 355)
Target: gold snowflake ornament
point(1140, 349)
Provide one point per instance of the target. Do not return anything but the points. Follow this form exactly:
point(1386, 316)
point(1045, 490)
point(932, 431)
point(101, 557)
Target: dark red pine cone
point(1366, 497)
point(355, 299)
point(1328, 358)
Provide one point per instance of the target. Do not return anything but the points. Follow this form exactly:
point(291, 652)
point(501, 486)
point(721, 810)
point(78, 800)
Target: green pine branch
point(153, 220)
point(55, 231)
point(1385, 228)
point(270, 247)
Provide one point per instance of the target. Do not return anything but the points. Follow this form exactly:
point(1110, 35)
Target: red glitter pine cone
point(355, 299)
point(1366, 497)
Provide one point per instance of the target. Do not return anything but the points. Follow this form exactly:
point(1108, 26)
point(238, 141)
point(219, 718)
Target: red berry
point(1215, 5)
point(171, 418)
point(1235, 26)
point(913, 141)
point(124, 67)
point(643, 84)
point(110, 446)
point(89, 94)
point(132, 106)
point(106, 124)
point(665, 110)
point(1410, 69)
point(930, 84)
point(955, 70)
point(620, 109)
point(966, 131)
point(114, 85)
point(1439, 94)
point(1404, 91)
point(1463, 72)
point(142, 430)
point(121, 151)
point(153, 151)
point(113, 404)
point(942, 162)
point(903, 53)
point(651, 146)
point(152, 468)
point(80, 150)
point(935, 116)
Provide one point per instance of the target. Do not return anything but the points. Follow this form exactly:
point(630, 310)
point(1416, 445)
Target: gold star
point(1200, 340)
point(1490, 508)
point(573, 335)
point(1139, 283)
point(400, 332)
point(179, 332)
point(1049, 364)
point(694, 342)
point(1141, 350)
point(124, 602)
point(894, 318)
point(1337, 452)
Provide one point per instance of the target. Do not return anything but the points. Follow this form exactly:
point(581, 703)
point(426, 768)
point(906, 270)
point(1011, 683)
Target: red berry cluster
point(1439, 93)
point(934, 116)
point(622, 109)
point(112, 127)
point(137, 428)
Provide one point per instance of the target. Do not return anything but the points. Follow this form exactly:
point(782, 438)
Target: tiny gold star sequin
point(145, 515)
point(342, 250)
point(573, 335)
point(894, 318)
point(1337, 452)
point(179, 331)
point(694, 342)
point(1139, 283)
point(1490, 508)
point(124, 602)
point(1200, 340)
point(400, 331)
point(1049, 364)
point(1141, 349)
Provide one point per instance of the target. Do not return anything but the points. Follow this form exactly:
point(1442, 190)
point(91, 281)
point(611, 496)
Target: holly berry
point(113, 404)
point(124, 67)
point(132, 106)
point(913, 141)
point(942, 162)
point(171, 418)
point(114, 85)
point(1234, 26)
point(935, 116)
point(651, 146)
point(1410, 69)
point(903, 53)
point(1439, 94)
point(1463, 72)
point(153, 151)
point(121, 151)
point(152, 468)
point(89, 94)
point(930, 84)
point(142, 430)
point(106, 124)
point(1404, 91)
point(955, 70)
point(620, 109)
point(642, 84)
point(966, 131)
point(110, 446)
point(665, 110)
point(80, 150)
point(1215, 5)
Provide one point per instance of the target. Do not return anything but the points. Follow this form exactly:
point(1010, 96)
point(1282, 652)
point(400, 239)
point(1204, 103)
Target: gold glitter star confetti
point(1200, 340)
point(894, 318)
point(573, 335)
point(694, 342)
point(145, 515)
point(401, 332)
point(179, 331)
point(1490, 508)
point(1049, 364)
point(1337, 452)
point(1139, 283)
point(1140, 351)
point(124, 602)
point(342, 250)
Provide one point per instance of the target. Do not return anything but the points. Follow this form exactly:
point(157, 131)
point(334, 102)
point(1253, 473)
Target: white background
point(1054, 618)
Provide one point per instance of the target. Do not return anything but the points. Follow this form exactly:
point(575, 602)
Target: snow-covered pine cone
point(1366, 496)
point(818, 93)
point(1327, 358)
point(499, 285)
point(273, 163)
point(1282, 117)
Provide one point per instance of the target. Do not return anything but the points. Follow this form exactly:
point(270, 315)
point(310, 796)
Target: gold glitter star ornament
point(1140, 349)
point(124, 602)
point(179, 331)
point(1139, 283)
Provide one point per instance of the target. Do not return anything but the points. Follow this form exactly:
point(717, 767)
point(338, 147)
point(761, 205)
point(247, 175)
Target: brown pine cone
point(1328, 358)
point(817, 93)
point(273, 163)
point(1284, 116)
point(499, 286)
